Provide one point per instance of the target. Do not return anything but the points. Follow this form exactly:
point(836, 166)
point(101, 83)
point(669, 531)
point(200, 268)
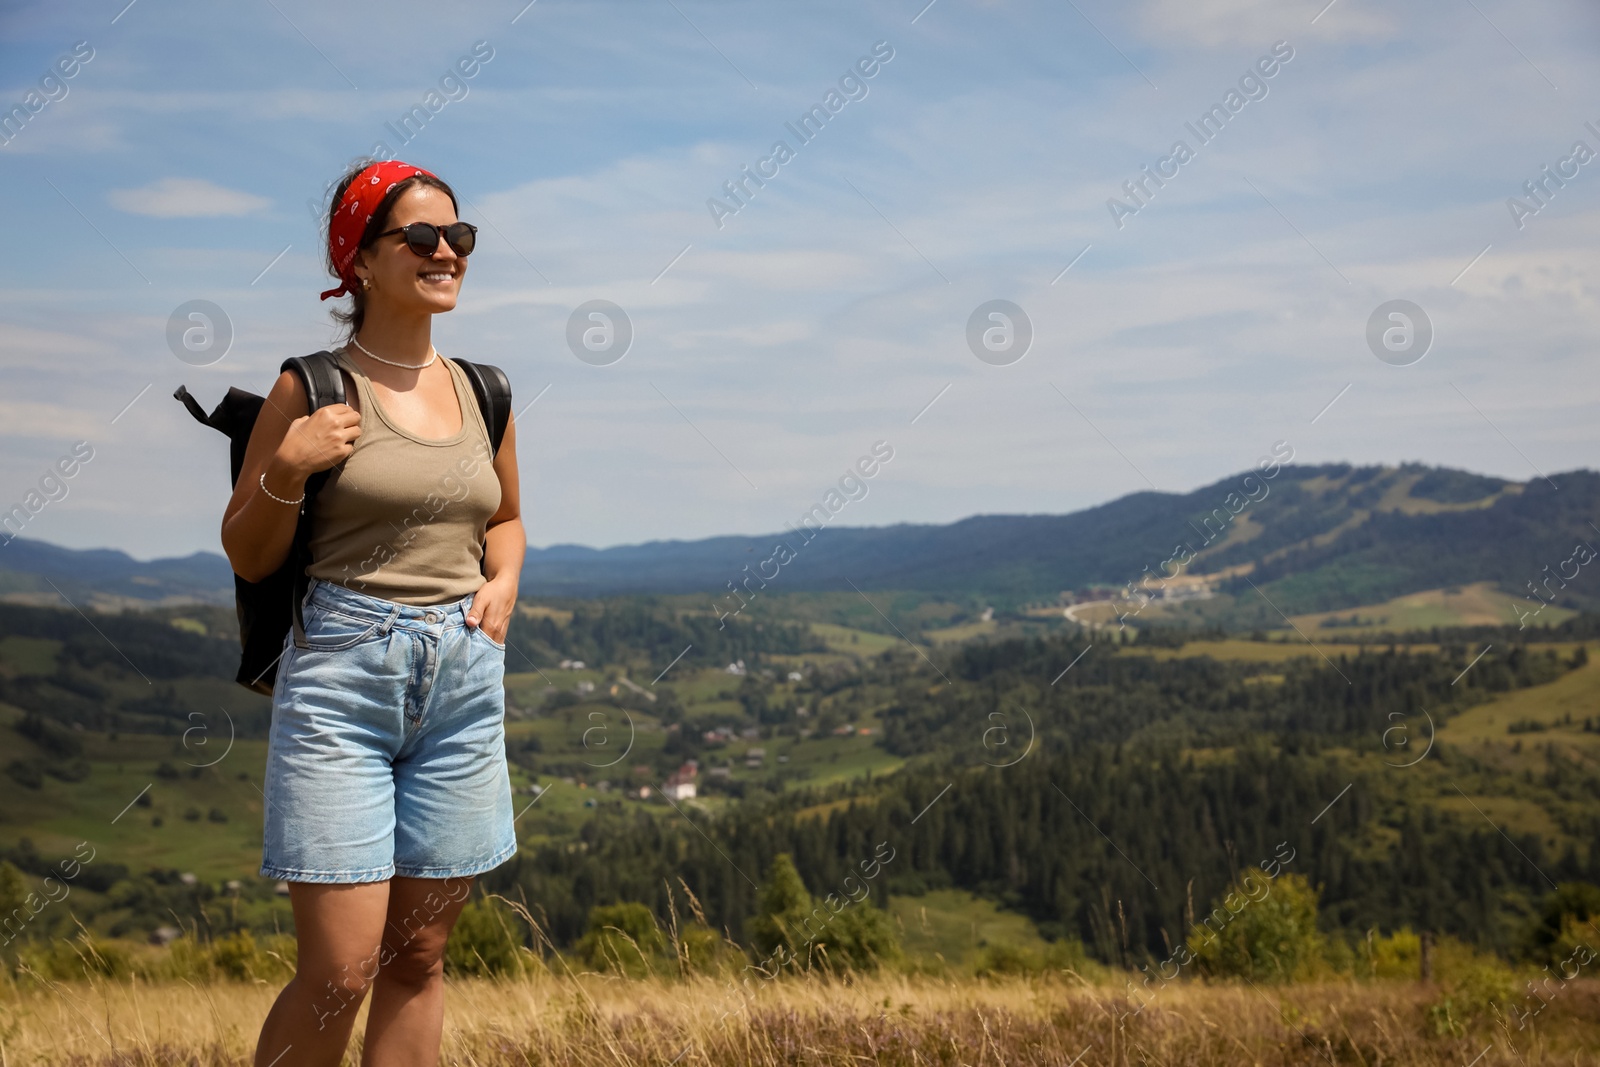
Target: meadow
point(1058, 1020)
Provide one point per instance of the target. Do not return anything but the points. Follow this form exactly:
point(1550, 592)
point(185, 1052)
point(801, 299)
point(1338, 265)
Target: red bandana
point(355, 211)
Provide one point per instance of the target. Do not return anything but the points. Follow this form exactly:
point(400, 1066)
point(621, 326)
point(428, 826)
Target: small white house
point(680, 783)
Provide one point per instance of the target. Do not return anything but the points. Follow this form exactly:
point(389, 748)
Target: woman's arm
point(505, 545)
point(290, 446)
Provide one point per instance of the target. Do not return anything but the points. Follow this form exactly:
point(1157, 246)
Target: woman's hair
point(352, 319)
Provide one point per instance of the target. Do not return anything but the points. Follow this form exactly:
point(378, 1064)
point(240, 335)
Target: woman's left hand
point(491, 608)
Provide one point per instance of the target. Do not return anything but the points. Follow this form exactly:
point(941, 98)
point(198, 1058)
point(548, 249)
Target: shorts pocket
point(330, 630)
point(493, 643)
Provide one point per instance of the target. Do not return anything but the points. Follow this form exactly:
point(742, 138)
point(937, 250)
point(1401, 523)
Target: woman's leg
point(338, 928)
point(406, 1021)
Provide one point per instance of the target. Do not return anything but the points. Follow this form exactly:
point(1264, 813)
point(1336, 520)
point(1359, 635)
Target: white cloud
point(186, 198)
point(42, 419)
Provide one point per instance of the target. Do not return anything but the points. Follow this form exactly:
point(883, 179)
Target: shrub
point(236, 957)
point(76, 958)
point(1485, 987)
point(1399, 955)
point(702, 951)
point(790, 925)
point(25, 774)
point(1004, 959)
point(72, 770)
point(860, 938)
point(1270, 937)
point(52, 737)
point(487, 939)
point(623, 938)
point(1567, 919)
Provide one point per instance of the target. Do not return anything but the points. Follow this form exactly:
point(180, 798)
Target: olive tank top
point(403, 517)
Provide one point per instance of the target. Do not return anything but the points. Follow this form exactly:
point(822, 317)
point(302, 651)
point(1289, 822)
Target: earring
point(366, 283)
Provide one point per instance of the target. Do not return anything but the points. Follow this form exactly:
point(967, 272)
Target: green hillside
point(1278, 537)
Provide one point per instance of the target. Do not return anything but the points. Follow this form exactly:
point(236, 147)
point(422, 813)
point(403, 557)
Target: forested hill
point(1346, 535)
point(1133, 791)
point(1314, 537)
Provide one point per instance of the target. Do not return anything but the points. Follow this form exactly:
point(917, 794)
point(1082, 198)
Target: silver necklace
point(433, 355)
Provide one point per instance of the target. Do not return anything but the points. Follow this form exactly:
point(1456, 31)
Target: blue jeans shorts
point(387, 752)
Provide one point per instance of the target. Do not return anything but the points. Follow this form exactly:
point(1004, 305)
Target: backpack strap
point(324, 385)
point(320, 373)
point(493, 390)
point(199, 413)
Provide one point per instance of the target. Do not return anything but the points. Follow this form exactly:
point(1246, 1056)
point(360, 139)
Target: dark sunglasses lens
point(423, 239)
point(462, 237)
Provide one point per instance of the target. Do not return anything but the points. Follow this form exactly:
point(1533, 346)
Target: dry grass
point(891, 1019)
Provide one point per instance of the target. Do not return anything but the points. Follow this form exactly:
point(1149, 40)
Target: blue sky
point(831, 310)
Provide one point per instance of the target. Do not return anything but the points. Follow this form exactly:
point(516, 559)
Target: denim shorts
point(387, 752)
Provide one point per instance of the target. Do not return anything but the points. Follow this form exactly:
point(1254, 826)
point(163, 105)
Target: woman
point(386, 786)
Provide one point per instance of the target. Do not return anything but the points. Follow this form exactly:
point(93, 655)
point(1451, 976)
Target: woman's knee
point(337, 985)
point(415, 961)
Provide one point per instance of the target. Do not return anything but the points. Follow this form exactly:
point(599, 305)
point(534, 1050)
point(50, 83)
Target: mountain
point(1312, 538)
point(108, 578)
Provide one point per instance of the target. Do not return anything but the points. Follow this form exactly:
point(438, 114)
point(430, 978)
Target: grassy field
point(136, 780)
point(856, 642)
point(1560, 707)
point(954, 926)
point(966, 631)
point(1234, 650)
point(1478, 604)
point(1057, 1020)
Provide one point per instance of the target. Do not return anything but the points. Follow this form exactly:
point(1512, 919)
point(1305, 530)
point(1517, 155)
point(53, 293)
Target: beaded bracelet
point(279, 499)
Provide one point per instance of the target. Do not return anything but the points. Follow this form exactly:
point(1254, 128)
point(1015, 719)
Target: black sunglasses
point(423, 237)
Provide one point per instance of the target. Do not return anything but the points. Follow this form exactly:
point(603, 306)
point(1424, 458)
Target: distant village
point(684, 782)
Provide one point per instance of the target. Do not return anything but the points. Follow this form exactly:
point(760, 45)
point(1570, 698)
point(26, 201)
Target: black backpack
point(268, 608)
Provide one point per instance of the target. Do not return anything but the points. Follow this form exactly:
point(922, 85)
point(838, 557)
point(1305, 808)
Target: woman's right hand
point(317, 441)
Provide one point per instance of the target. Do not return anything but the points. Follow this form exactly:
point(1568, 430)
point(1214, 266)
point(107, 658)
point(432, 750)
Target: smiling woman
point(386, 773)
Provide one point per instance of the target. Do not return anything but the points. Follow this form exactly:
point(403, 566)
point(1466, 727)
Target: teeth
point(439, 275)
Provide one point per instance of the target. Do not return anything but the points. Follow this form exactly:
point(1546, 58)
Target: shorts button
point(434, 616)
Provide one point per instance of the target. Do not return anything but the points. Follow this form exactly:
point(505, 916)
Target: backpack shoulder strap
point(493, 390)
point(320, 373)
point(324, 385)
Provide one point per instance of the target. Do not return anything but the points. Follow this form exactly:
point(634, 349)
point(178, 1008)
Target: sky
point(1163, 335)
